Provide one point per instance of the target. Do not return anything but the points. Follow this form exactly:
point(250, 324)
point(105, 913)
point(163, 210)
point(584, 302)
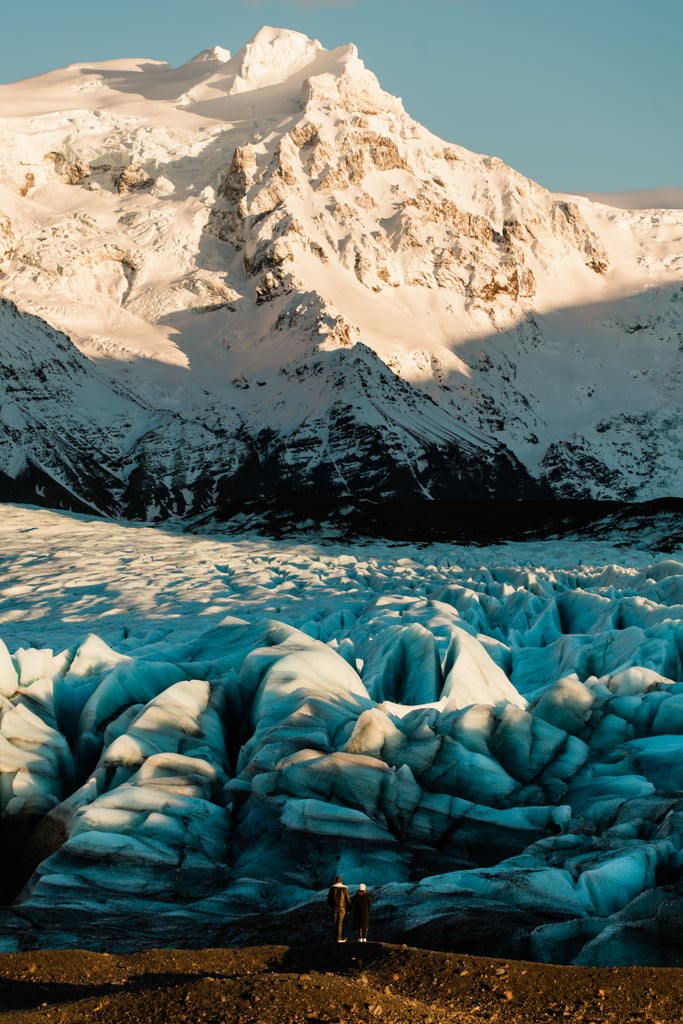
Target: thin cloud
point(303, 3)
point(641, 198)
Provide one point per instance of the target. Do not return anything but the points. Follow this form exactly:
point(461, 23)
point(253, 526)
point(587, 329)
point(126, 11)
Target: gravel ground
point(326, 983)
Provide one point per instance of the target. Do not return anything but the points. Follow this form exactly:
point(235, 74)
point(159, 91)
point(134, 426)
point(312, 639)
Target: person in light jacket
point(339, 901)
point(360, 905)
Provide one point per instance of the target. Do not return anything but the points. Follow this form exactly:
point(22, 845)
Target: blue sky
point(581, 96)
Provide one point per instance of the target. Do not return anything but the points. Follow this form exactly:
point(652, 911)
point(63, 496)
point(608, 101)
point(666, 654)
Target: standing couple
point(339, 901)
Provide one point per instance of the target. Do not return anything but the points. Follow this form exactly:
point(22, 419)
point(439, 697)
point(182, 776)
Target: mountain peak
point(215, 53)
point(273, 54)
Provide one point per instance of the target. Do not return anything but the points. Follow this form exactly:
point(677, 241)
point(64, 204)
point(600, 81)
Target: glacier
point(199, 731)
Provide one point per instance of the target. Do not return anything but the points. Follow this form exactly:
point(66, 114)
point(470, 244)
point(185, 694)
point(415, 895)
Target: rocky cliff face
point(284, 285)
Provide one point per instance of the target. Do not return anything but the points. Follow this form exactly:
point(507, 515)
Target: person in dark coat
point(361, 912)
point(339, 901)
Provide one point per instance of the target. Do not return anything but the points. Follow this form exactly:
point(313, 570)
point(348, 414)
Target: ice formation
point(451, 726)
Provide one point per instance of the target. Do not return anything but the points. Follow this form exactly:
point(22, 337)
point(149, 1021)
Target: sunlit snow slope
point(292, 287)
point(197, 734)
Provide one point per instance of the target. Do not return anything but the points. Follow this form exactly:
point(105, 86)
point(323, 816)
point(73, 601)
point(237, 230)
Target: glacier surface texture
point(197, 734)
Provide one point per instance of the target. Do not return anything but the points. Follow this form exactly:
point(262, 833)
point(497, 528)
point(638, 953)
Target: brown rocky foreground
point(373, 982)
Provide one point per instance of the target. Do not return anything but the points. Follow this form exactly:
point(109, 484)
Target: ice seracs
point(467, 734)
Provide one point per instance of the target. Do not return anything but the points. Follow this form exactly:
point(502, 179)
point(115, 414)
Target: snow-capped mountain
point(257, 278)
